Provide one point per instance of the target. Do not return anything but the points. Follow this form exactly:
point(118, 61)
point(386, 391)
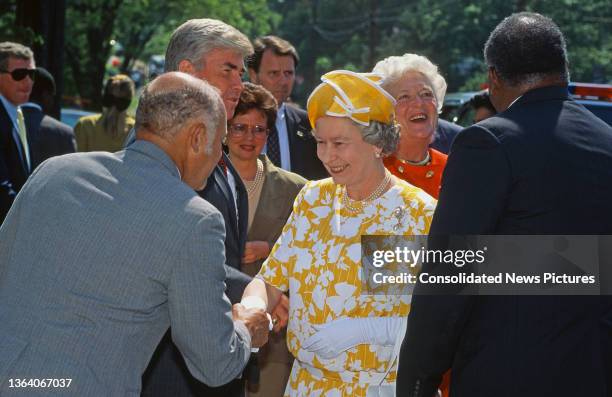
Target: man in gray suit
point(102, 252)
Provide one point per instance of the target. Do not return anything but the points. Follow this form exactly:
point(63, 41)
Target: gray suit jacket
point(99, 255)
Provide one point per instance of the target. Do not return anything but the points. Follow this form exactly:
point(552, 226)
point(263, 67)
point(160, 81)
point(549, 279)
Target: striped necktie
point(273, 148)
point(23, 137)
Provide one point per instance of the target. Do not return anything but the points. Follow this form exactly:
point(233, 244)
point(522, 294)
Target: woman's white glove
point(333, 338)
point(255, 302)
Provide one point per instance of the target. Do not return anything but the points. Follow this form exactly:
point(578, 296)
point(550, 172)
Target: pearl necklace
point(259, 177)
point(350, 204)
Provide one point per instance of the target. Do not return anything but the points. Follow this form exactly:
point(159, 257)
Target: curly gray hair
point(384, 136)
point(395, 67)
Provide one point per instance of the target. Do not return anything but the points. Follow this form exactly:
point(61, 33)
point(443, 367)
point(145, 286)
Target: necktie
point(223, 166)
point(273, 148)
point(23, 137)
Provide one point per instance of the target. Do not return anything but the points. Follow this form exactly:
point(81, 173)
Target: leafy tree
point(91, 24)
point(89, 27)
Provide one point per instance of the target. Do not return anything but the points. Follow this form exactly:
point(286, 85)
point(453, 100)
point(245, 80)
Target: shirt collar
point(513, 102)
point(281, 110)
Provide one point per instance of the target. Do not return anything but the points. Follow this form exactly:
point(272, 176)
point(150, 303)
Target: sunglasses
point(20, 74)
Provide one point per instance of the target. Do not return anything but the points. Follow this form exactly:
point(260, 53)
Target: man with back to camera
point(89, 284)
point(290, 144)
point(537, 167)
point(213, 51)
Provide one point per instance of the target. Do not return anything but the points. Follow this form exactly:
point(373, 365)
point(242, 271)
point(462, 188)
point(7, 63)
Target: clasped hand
point(257, 322)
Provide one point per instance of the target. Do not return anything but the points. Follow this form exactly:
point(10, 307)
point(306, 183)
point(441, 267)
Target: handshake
point(252, 312)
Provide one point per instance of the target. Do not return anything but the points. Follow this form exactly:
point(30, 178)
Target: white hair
point(395, 67)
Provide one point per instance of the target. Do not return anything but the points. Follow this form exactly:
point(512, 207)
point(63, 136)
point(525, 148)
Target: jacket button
point(429, 174)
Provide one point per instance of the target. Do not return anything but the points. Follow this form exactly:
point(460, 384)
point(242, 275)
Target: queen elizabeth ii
point(344, 342)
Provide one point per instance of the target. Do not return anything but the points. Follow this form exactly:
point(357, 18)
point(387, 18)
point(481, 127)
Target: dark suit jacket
point(167, 374)
point(445, 134)
point(48, 137)
point(543, 166)
point(302, 146)
point(218, 193)
point(13, 170)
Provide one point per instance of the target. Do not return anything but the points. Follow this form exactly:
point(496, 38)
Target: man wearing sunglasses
point(17, 72)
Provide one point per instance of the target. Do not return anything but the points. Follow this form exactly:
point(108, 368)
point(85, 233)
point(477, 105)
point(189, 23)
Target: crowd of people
point(211, 246)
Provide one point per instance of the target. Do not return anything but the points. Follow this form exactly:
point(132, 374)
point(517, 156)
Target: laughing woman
point(343, 341)
point(419, 91)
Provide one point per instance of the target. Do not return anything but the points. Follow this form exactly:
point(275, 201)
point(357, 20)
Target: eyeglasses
point(239, 130)
point(20, 74)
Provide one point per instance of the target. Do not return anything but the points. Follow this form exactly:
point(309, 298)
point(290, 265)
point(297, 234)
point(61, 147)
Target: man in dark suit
point(49, 137)
point(537, 167)
point(218, 58)
point(445, 135)
point(290, 144)
point(17, 71)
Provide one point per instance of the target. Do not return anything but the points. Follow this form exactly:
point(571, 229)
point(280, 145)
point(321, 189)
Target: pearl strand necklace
point(259, 177)
point(349, 203)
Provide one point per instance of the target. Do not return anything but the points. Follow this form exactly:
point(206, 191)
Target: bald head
point(185, 117)
point(174, 99)
point(173, 81)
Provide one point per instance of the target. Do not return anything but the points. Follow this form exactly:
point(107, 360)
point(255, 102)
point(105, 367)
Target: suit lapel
point(241, 224)
point(14, 137)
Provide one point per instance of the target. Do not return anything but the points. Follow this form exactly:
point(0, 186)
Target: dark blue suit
point(47, 136)
point(13, 168)
point(302, 145)
point(543, 166)
point(445, 135)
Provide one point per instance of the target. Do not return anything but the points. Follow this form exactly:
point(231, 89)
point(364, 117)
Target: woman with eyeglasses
point(271, 191)
point(419, 90)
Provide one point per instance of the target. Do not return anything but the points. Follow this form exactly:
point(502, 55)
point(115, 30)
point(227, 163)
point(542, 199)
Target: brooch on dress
point(398, 214)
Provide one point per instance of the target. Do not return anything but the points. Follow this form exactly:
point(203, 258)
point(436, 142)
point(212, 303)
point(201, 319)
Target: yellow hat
point(357, 96)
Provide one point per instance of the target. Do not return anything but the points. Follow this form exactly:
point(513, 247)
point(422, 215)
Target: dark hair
point(527, 46)
point(279, 46)
point(44, 82)
point(255, 96)
point(482, 100)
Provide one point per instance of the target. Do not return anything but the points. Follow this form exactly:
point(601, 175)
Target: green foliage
point(142, 28)
point(328, 34)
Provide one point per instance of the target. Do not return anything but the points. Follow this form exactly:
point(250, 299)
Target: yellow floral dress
point(318, 259)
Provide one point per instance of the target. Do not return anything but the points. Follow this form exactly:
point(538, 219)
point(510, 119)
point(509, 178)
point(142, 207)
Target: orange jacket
point(427, 177)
